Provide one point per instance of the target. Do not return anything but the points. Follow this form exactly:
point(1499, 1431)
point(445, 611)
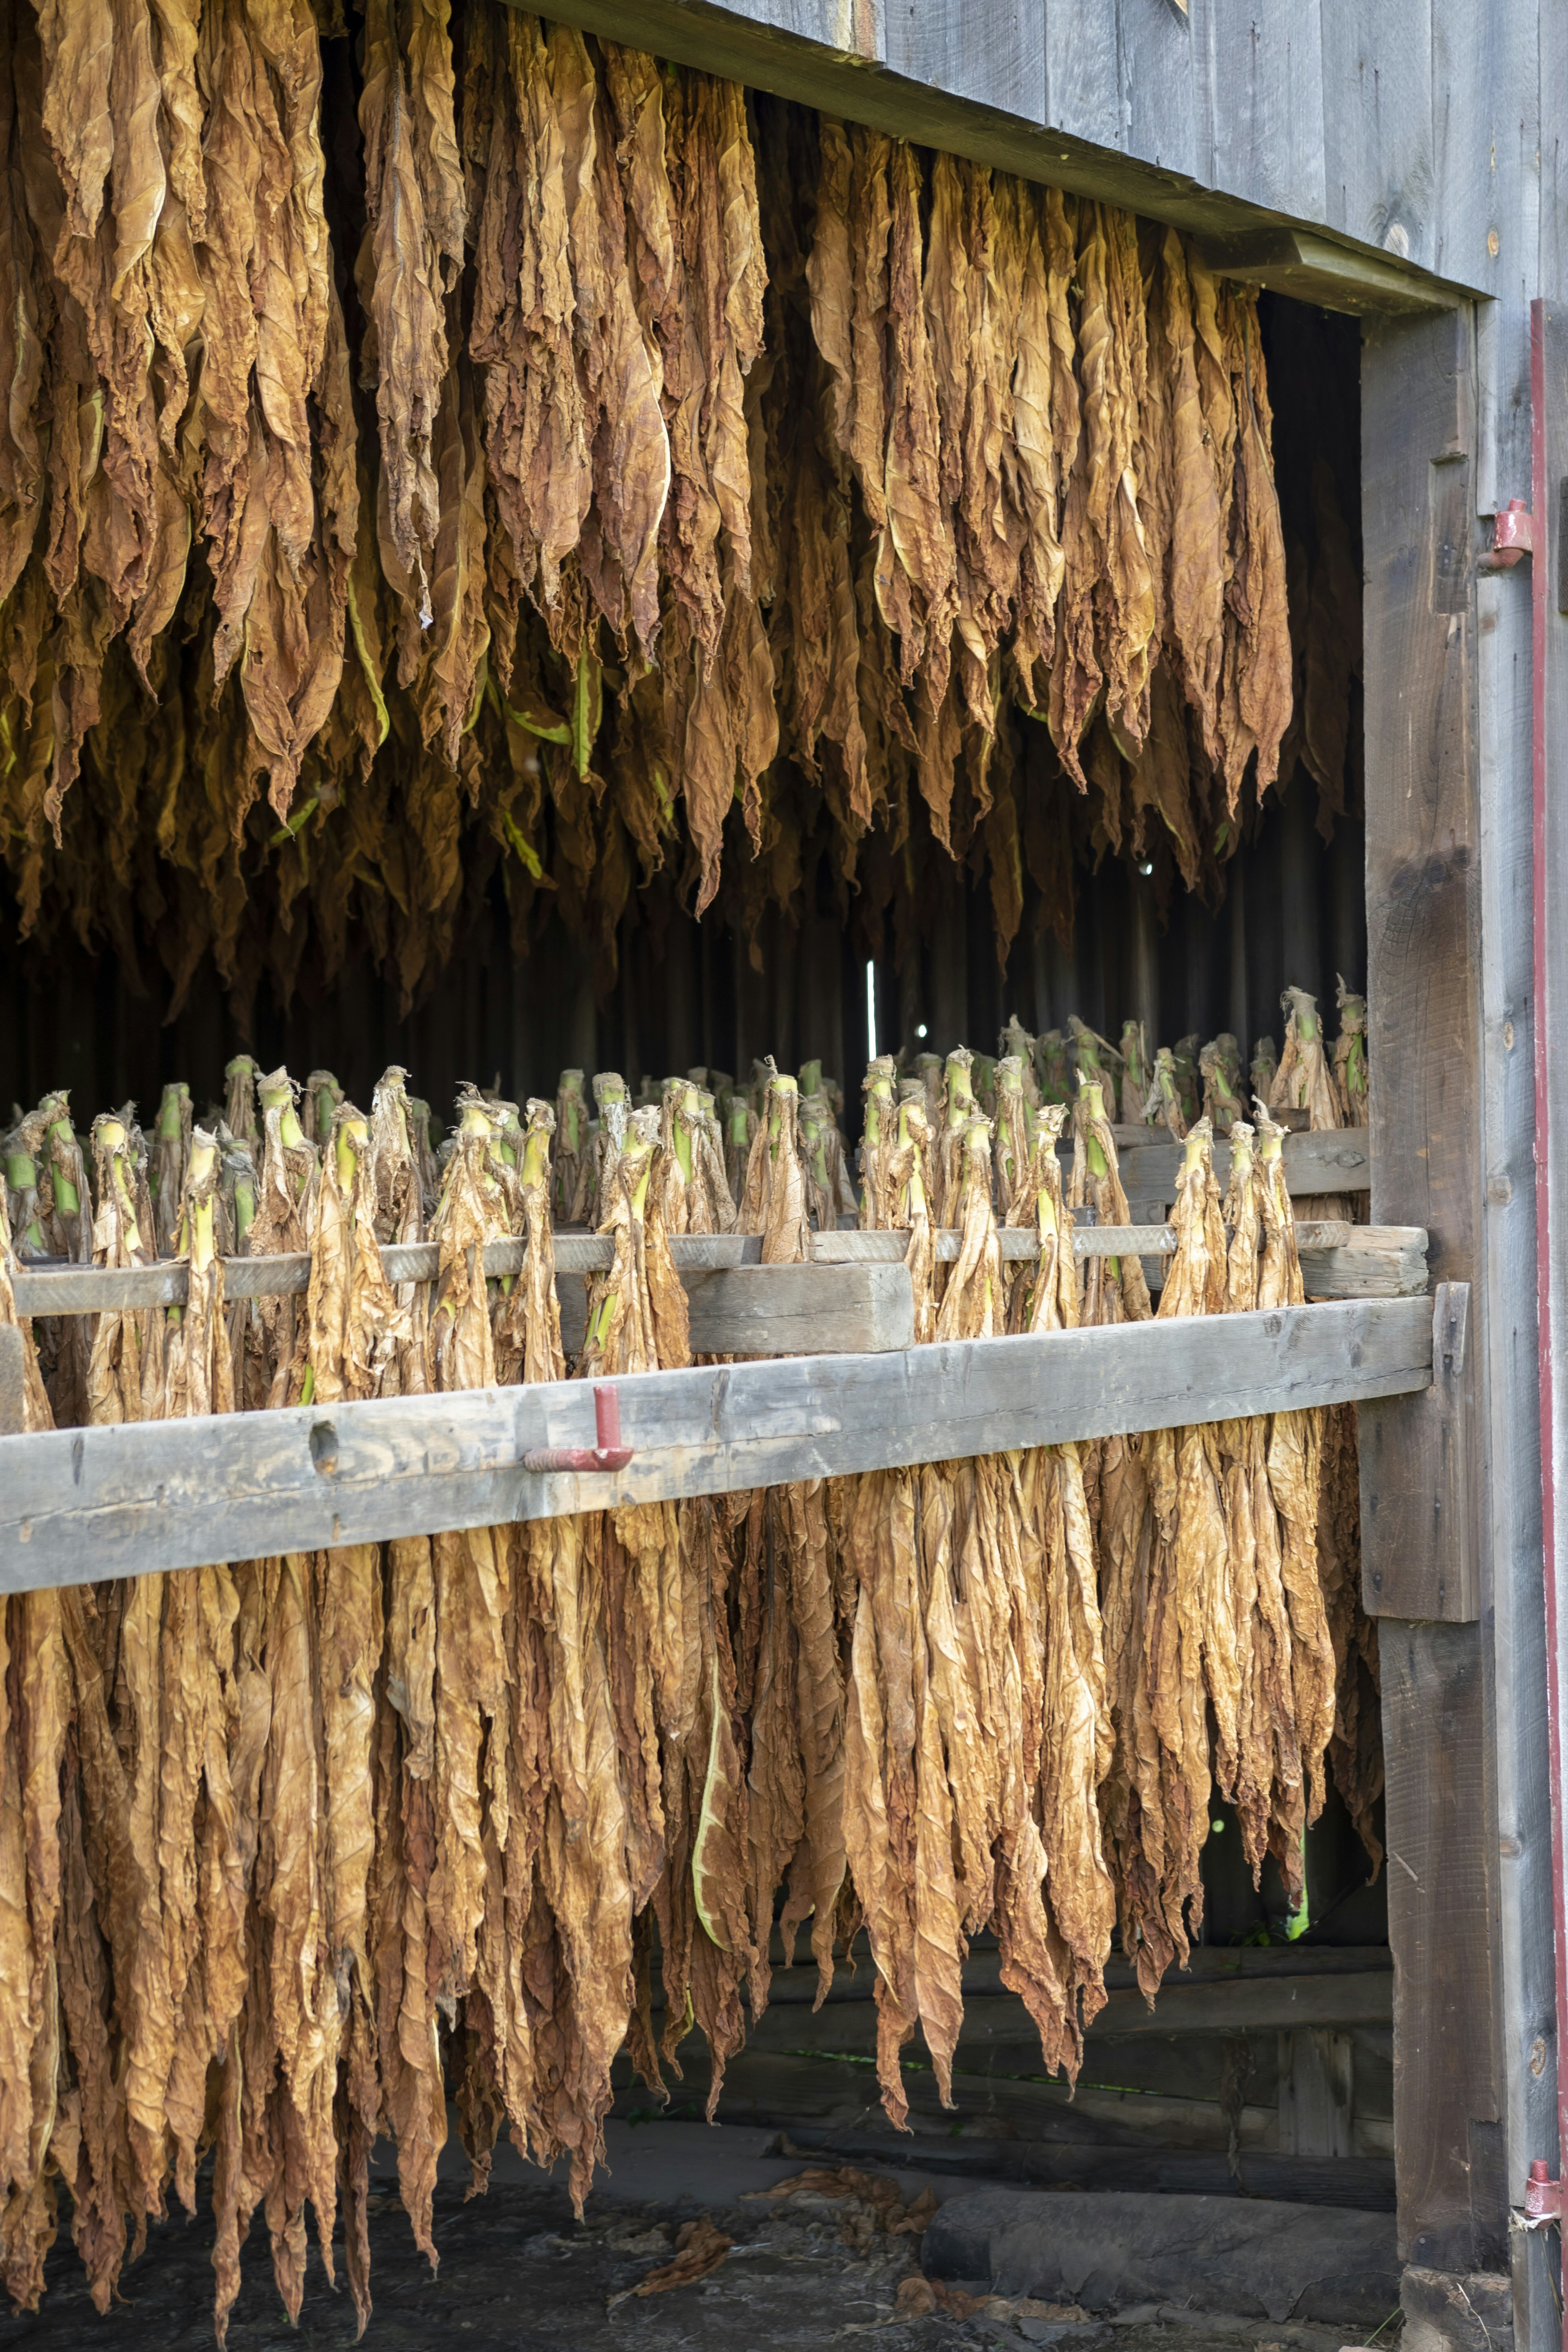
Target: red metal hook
point(608, 1455)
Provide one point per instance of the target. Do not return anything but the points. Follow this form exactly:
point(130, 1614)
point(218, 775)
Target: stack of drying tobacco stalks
point(607, 475)
point(306, 1851)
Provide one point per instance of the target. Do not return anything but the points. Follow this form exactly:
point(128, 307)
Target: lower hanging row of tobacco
point(300, 1852)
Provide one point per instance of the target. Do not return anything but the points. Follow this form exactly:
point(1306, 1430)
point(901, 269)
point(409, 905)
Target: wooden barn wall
point(1398, 125)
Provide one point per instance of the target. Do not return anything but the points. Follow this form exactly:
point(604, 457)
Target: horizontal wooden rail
point(1329, 1247)
point(1000, 2021)
point(80, 1504)
point(1338, 1159)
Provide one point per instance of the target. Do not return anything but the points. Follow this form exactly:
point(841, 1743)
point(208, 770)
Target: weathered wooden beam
point(1000, 2021)
point(12, 1408)
point(77, 1503)
point(1343, 1260)
point(1374, 1262)
point(1338, 1161)
point(1210, 1965)
point(1312, 269)
point(800, 1310)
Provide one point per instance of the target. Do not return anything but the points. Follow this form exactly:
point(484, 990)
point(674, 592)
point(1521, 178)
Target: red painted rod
point(608, 1455)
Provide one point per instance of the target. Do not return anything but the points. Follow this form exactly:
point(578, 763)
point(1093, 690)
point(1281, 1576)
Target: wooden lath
point(123, 1501)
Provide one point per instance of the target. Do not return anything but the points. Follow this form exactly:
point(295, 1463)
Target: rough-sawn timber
point(83, 1504)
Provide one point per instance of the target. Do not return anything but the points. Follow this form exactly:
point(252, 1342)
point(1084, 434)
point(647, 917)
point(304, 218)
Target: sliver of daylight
point(870, 1012)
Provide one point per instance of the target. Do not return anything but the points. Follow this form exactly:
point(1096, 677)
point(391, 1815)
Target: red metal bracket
point(608, 1455)
point(1542, 2198)
point(1513, 536)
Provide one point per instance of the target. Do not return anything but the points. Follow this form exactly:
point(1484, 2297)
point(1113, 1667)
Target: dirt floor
point(518, 2274)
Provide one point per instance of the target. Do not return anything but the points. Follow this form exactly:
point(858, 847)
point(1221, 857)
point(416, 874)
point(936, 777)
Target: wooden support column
point(1422, 1477)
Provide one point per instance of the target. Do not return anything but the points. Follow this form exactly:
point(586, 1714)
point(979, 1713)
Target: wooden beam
point(1210, 1965)
point(91, 1503)
point(1430, 1139)
point(800, 1310)
point(1376, 1262)
point(1312, 269)
point(13, 1411)
point(1349, 1261)
point(1336, 1161)
point(1000, 2021)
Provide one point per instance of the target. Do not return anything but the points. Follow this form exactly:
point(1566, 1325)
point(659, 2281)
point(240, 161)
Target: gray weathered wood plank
point(1082, 72)
point(998, 2129)
point(1336, 1161)
point(999, 2020)
point(1377, 123)
point(1212, 1964)
point(1268, 103)
point(935, 45)
point(1164, 62)
point(1376, 1261)
point(89, 1290)
point(800, 1310)
point(1516, 1338)
point(77, 1503)
point(12, 1398)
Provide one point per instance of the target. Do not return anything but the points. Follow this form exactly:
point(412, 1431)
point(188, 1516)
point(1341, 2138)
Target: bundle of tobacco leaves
point(314, 1843)
point(612, 478)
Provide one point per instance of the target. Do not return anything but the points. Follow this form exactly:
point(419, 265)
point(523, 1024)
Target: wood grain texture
point(1338, 1161)
point(1376, 1261)
point(1377, 123)
point(998, 2022)
point(1415, 1503)
point(1164, 65)
point(1317, 2092)
point(1551, 274)
point(1210, 1966)
point(1268, 104)
point(935, 42)
point(89, 1290)
point(1426, 1131)
point(12, 1411)
point(1440, 1899)
point(800, 1310)
point(1083, 71)
point(116, 1502)
point(1488, 63)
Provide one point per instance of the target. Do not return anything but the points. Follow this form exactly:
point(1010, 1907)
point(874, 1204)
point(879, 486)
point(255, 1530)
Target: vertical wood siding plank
point(1163, 56)
point(1083, 92)
point(994, 56)
point(1268, 103)
point(1377, 123)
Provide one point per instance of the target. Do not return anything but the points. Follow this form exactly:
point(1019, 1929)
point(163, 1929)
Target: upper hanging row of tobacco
point(490, 446)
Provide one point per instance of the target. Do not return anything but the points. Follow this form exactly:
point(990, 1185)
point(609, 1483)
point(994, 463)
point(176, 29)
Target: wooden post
point(1423, 934)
